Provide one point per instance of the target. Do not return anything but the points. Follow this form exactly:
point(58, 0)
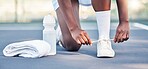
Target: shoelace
point(104, 43)
point(101, 40)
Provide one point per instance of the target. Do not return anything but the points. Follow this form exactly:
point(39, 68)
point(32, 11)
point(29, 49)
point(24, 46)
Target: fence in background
point(35, 10)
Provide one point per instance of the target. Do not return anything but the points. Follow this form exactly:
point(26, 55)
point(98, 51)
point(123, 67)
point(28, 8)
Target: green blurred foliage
point(35, 10)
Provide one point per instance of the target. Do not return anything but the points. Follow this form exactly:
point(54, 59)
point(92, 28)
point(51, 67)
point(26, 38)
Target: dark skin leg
point(74, 36)
point(68, 42)
point(101, 5)
point(71, 19)
point(122, 31)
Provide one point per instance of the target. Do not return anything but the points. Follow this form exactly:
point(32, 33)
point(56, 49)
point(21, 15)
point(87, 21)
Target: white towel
point(29, 49)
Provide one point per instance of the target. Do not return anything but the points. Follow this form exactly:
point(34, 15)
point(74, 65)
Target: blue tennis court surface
point(132, 54)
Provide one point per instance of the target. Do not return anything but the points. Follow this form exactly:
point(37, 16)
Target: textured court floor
point(132, 54)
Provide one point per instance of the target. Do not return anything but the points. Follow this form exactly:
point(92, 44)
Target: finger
point(127, 36)
point(78, 41)
point(124, 37)
point(119, 38)
point(89, 40)
point(81, 40)
point(116, 36)
point(85, 39)
point(86, 43)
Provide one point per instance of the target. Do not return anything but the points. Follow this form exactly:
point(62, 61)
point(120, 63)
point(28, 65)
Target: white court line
point(142, 26)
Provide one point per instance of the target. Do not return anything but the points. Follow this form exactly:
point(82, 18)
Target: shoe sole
point(105, 56)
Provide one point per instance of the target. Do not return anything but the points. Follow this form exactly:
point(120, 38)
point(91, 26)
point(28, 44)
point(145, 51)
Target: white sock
point(103, 22)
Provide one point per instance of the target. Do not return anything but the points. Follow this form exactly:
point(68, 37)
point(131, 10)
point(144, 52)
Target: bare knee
point(71, 45)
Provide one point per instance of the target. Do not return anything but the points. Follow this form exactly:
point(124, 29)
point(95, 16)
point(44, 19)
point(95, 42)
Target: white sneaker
point(104, 48)
point(58, 36)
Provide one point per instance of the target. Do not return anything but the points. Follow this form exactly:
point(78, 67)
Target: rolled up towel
point(30, 49)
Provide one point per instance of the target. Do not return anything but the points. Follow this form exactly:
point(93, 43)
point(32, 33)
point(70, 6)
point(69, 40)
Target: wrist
point(73, 28)
point(124, 21)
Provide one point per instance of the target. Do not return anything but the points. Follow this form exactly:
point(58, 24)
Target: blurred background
point(33, 11)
